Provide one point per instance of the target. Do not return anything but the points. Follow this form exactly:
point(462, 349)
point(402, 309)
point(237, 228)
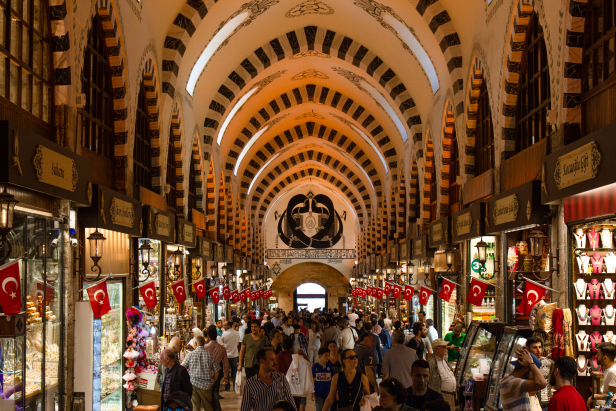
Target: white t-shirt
point(230, 339)
point(314, 340)
point(242, 331)
point(432, 334)
point(609, 379)
point(288, 330)
point(448, 381)
point(352, 318)
point(348, 340)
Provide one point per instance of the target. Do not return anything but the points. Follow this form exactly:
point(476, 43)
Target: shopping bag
point(373, 400)
point(366, 407)
point(299, 377)
point(239, 382)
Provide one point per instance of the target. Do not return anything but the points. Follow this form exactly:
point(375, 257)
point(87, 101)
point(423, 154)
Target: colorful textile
point(568, 332)
point(558, 338)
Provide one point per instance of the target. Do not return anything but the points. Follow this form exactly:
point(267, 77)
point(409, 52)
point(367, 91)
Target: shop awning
point(33, 162)
point(440, 232)
point(469, 223)
point(581, 166)
point(516, 208)
point(112, 211)
point(599, 202)
point(421, 248)
point(158, 224)
point(186, 233)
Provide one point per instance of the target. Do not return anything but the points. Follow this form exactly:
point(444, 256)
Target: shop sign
point(577, 166)
point(220, 252)
point(188, 233)
point(393, 257)
point(163, 225)
point(418, 247)
point(206, 249)
point(437, 232)
point(122, 212)
point(373, 262)
point(506, 209)
point(55, 169)
point(464, 223)
point(404, 250)
point(229, 254)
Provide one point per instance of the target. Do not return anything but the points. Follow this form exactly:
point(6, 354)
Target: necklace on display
point(592, 365)
point(582, 342)
point(584, 367)
point(582, 318)
point(580, 294)
point(609, 290)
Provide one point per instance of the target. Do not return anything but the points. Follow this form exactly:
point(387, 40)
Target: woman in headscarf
point(196, 332)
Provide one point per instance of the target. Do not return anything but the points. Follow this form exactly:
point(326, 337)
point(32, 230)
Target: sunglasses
point(351, 357)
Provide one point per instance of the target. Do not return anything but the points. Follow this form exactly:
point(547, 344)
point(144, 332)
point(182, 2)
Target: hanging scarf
point(568, 332)
point(558, 338)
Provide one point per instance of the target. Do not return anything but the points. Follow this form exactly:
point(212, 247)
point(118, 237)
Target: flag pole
point(96, 283)
point(482, 281)
point(134, 288)
point(423, 286)
point(541, 285)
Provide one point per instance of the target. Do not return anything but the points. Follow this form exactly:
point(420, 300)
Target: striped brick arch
point(61, 47)
point(400, 206)
point(319, 39)
point(521, 21)
point(312, 129)
point(428, 176)
point(336, 167)
point(197, 163)
point(230, 226)
point(221, 212)
point(448, 132)
point(574, 50)
point(414, 193)
point(476, 81)
point(210, 203)
point(176, 136)
point(312, 93)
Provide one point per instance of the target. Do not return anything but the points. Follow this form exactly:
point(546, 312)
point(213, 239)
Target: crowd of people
point(359, 362)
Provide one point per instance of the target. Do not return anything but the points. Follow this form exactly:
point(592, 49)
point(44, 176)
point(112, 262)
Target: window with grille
point(484, 133)
point(192, 185)
point(97, 114)
point(599, 65)
point(141, 151)
point(171, 171)
point(454, 172)
point(25, 56)
point(433, 195)
point(534, 89)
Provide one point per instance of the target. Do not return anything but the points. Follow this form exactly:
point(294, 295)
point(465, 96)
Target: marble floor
point(232, 402)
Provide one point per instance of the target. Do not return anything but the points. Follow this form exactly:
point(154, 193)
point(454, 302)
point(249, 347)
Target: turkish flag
point(200, 288)
point(179, 291)
point(387, 289)
point(40, 287)
point(259, 294)
point(424, 295)
point(532, 295)
point(396, 289)
point(408, 292)
point(99, 300)
point(10, 294)
point(374, 291)
point(244, 295)
point(253, 295)
point(364, 292)
point(379, 293)
point(476, 290)
point(148, 292)
point(215, 294)
point(368, 291)
point(236, 296)
point(446, 290)
point(226, 292)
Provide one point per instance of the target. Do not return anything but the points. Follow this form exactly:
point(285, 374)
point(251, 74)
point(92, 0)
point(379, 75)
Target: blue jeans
point(233, 362)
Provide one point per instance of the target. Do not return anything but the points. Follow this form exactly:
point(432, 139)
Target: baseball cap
point(515, 362)
point(439, 342)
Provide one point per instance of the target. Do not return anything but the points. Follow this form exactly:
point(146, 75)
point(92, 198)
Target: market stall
point(422, 261)
point(185, 317)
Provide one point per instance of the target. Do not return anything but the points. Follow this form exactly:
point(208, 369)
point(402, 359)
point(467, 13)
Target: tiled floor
point(232, 402)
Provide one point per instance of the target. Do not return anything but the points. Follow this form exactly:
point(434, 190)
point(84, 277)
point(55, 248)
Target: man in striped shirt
point(525, 378)
point(220, 356)
point(266, 388)
point(203, 370)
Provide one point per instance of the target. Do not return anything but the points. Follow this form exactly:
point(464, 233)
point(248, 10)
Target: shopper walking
point(322, 373)
point(331, 332)
point(566, 397)
point(220, 356)
point(251, 344)
point(442, 379)
point(416, 342)
point(314, 342)
point(352, 317)
point(606, 353)
point(419, 393)
point(524, 378)
point(267, 387)
point(204, 370)
point(176, 377)
point(365, 359)
point(455, 339)
point(334, 356)
point(535, 346)
point(349, 386)
point(230, 339)
point(432, 333)
point(287, 326)
point(392, 396)
point(398, 361)
point(347, 335)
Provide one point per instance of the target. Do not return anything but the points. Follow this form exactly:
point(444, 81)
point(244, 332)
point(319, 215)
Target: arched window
point(97, 114)
point(171, 172)
point(192, 185)
point(484, 137)
point(25, 56)
point(433, 195)
point(534, 89)
point(598, 80)
point(454, 173)
point(141, 151)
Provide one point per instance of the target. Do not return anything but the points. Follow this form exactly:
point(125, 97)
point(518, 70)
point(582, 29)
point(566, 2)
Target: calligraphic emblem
point(464, 223)
point(55, 169)
point(122, 212)
point(577, 166)
point(506, 209)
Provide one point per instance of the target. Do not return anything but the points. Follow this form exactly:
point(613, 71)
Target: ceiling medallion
point(310, 7)
point(309, 53)
point(310, 73)
point(310, 114)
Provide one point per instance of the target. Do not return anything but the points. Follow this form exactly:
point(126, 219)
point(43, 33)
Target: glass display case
point(470, 335)
point(513, 338)
point(478, 351)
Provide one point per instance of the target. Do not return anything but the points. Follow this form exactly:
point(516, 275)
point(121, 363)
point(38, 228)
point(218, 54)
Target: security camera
point(54, 242)
point(74, 242)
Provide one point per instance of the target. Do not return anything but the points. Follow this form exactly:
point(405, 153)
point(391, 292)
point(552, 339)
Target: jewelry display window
point(594, 282)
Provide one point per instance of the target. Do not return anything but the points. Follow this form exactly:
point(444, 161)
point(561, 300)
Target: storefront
point(514, 218)
point(406, 272)
point(185, 239)
point(200, 259)
point(422, 260)
point(582, 177)
point(35, 172)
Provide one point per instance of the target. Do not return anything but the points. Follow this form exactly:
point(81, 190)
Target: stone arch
point(393, 208)
point(429, 174)
point(319, 39)
point(414, 194)
point(176, 137)
point(401, 206)
point(221, 212)
point(476, 79)
point(210, 204)
point(230, 223)
point(197, 162)
point(61, 55)
point(446, 153)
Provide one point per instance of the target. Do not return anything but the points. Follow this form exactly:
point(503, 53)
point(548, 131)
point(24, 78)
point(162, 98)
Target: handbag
point(350, 407)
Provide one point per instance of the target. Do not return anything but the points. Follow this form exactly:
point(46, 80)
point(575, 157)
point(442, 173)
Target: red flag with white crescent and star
point(532, 295)
point(10, 292)
point(235, 295)
point(148, 292)
point(179, 291)
point(200, 288)
point(396, 290)
point(408, 292)
point(424, 295)
point(446, 290)
point(226, 292)
point(244, 295)
point(476, 290)
point(99, 299)
point(387, 289)
point(253, 296)
point(368, 291)
point(40, 287)
point(215, 294)
point(379, 293)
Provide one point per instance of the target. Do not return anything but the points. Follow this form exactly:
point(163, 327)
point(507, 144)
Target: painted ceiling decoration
point(310, 114)
point(310, 73)
point(310, 7)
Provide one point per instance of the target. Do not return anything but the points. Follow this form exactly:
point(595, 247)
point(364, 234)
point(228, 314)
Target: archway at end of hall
point(310, 296)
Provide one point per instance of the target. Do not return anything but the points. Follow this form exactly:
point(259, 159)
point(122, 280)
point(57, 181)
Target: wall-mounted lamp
point(173, 269)
point(7, 206)
point(482, 247)
point(198, 264)
point(96, 240)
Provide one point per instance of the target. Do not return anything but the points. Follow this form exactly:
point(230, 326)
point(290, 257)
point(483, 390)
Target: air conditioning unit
point(80, 100)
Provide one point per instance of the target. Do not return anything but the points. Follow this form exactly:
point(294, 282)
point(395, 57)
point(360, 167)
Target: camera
point(74, 242)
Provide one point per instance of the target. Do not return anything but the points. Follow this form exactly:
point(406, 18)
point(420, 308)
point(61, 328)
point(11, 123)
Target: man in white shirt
point(386, 321)
point(230, 339)
point(352, 318)
point(606, 353)
point(432, 333)
point(244, 326)
point(347, 339)
point(287, 326)
point(442, 379)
